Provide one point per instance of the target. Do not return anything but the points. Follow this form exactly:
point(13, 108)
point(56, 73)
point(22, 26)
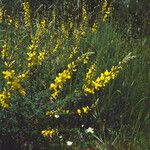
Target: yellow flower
point(79, 112)
point(9, 20)
point(94, 28)
point(8, 74)
point(86, 109)
point(49, 133)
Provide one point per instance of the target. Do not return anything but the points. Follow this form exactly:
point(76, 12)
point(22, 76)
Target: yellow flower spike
point(9, 20)
point(49, 133)
point(61, 79)
point(1, 14)
point(4, 50)
point(17, 24)
point(106, 10)
point(84, 13)
point(105, 77)
point(94, 28)
point(88, 80)
point(70, 23)
point(4, 97)
point(43, 24)
point(63, 30)
point(41, 57)
point(26, 10)
point(82, 29)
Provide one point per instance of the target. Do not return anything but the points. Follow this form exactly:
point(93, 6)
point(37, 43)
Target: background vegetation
point(43, 40)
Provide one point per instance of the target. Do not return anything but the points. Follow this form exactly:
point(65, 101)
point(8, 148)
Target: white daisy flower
point(69, 143)
point(89, 130)
point(56, 116)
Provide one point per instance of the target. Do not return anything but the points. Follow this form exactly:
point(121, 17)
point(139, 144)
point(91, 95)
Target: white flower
point(60, 136)
point(56, 116)
point(82, 125)
point(69, 143)
point(89, 130)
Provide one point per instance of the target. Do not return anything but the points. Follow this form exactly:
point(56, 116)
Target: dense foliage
point(74, 75)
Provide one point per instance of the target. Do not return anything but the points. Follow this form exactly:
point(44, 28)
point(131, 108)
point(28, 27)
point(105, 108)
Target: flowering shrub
point(51, 75)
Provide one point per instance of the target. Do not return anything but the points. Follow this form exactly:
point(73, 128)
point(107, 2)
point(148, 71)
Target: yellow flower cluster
point(104, 6)
point(77, 36)
point(41, 57)
point(88, 80)
point(56, 112)
point(105, 77)
point(1, 14)
point(84, 57)
point(9, 20)
point(102, 80)
point(84, 21)
point(107, 13)
point(90, 74)
point(8, 74)
point(43, 24)
point(4, 50)
point(61, 79)
point(49, 133)
point(106, 10)
point(13, 83)
point(82, 29)
point(84, 110)
point(35, 39)
point(52, 22)
point(12, 80)
point(16, 24)
point(41, 28)
point(26, 9)
point(94, 27)
point(84, 13)
point(85, 60)
point(4, 97)
point(64, 31)
point(32, 54)
point(70, 23)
